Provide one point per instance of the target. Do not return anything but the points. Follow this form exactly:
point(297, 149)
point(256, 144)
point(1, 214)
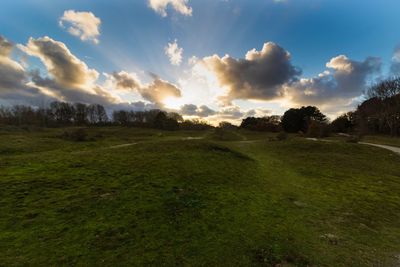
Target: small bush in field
point(282, 136)
point(77, 135)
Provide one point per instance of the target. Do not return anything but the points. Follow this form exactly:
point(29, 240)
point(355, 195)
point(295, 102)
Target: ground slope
point(171, 200)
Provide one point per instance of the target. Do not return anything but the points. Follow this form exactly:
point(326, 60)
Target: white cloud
point(336, 89)
point(70, 78)
point(260, 75)
point(156, 91)
point(174, 53)
point(65, 68)
point(85, 25)
point(269, 76)
point(395, 64)
point(14, 83)
point(180, 6)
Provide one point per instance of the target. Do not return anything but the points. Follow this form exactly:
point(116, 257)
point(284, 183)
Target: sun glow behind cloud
point(201, 74)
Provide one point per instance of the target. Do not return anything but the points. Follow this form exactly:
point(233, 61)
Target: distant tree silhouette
point(344, 123)
point(387, 113)
point(266, 124)
point(227, 125)
point(164, 122)
point(195, 124)
point(295, 120)
point(81, 114)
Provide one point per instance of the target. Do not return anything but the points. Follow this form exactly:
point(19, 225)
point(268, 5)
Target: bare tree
point(388, 92)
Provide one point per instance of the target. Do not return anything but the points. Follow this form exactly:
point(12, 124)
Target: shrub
point(77, 135)
point(282, 136)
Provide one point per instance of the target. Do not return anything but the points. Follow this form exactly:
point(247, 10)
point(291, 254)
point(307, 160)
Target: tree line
point(57, 114)
point(60, 114)
point(379, 114)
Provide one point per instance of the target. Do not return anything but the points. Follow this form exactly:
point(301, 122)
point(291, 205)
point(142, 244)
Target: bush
point(282, 136)
point(195, 125)
point(77, 135)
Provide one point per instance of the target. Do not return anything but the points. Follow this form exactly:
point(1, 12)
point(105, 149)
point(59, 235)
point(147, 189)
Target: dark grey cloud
point(192, 110)
point(189, 110)
point(140, 106)
point(124, 80)
point(231, 113)
point(204, 111)
point(260, 75)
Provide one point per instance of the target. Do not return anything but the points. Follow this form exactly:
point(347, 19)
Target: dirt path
point(391, 148)
point(193, 138)
point(122, 145)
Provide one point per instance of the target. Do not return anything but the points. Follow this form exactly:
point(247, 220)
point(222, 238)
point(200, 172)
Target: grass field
point(143, 197)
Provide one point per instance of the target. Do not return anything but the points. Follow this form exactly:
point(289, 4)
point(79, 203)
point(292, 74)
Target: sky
point(210, 59)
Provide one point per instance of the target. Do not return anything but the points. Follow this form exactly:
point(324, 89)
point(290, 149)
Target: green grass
point(169, 200)
point(375, 139)
point(382, 140)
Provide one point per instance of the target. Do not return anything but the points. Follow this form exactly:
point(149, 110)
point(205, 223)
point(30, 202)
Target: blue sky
point(133, 36)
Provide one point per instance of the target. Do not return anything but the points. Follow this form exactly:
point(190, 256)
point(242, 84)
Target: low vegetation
point(151, 197)
point(148, 188)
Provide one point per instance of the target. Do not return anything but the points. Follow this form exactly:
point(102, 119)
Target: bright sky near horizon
point(212, 59)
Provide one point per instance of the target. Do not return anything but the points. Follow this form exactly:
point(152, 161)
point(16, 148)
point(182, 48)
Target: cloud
point(159, 90)
point(140, 106)
point(5, 47)
point(337, 87)
point(155, 92)
point(189, 110)
point(85, 25)
point(180, 6)
point(395, 64)
point(66, 69)
point(67, 78)
point(125, 80)
point(231, 113)
point(268, 75)
point(70, 78)
point(192, 110)
point(260, 75)
point(97, 95)
point(174, 53)
point(14, 82)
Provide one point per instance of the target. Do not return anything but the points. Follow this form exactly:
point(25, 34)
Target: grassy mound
point(220, 134)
